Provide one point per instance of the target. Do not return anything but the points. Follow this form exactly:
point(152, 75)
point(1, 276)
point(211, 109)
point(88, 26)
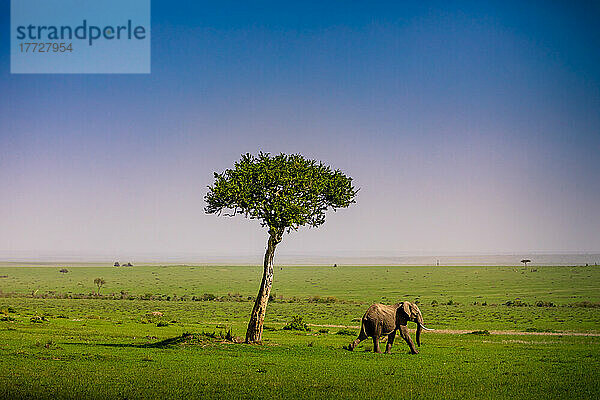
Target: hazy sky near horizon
point(469, 129)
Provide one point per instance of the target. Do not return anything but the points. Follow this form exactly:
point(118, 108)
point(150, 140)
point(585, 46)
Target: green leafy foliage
point(282, 191)
point(297, 324)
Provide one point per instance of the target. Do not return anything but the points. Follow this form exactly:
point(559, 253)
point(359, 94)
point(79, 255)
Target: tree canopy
point(282, 191)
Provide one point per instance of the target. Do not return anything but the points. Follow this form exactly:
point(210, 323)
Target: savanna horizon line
point(313, 258)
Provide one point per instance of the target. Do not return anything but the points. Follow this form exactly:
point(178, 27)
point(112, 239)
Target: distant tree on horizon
point(525, 261)
point(99, 282)
point(283, 192)
point(117, 264)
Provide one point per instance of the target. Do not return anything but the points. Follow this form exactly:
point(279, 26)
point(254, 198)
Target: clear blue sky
point(469, 128)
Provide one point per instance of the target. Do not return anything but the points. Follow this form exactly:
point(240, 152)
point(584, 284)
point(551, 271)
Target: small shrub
point(323, 330)
point(296, 324)
point(516, 303)
point(434, 302)
point(586, 304)
point(545, 304)
point(325, 300)
point(346, 332)
point(162, 323)
point(214, 335)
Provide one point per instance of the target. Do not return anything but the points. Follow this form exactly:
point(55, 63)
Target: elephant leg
point(376, 348)
point(390, 342)
point(404, 334)
point(362, 336)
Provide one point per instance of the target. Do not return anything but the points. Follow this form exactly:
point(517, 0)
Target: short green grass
point(98, 348)
point(563, 285)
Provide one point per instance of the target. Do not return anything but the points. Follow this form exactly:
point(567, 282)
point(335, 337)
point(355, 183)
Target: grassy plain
point(106, 348)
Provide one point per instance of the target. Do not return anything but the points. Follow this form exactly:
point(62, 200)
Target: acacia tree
point(283, 192)
point(99, 282)
point(525, 261)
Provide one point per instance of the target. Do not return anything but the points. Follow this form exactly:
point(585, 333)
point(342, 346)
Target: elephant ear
point(406, 308)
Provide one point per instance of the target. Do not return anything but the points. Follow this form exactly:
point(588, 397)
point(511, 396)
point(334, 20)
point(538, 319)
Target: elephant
point(381, 319)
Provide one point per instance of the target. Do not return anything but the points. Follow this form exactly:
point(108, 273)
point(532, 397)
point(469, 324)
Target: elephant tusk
point(427, 329)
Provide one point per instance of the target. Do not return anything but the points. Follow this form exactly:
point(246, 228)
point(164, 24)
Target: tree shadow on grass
point(201, 339)
point(163, 344)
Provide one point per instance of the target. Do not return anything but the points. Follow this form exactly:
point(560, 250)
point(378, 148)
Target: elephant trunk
point(419, 328)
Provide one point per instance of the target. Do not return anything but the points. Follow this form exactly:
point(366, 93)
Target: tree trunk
point(257, 318)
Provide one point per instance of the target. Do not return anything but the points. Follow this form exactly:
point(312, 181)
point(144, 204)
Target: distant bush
point(516, 303)
point(206, 297)
point(296, 324)
point(323, 330)
point(38, 320)
point(434, 302)
point(319, 299)
point(224, 335)
point(449, 303)
point(586, 304)
point(64, 270)
point(545, 304)
point(346, 332)
point(162, 323)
